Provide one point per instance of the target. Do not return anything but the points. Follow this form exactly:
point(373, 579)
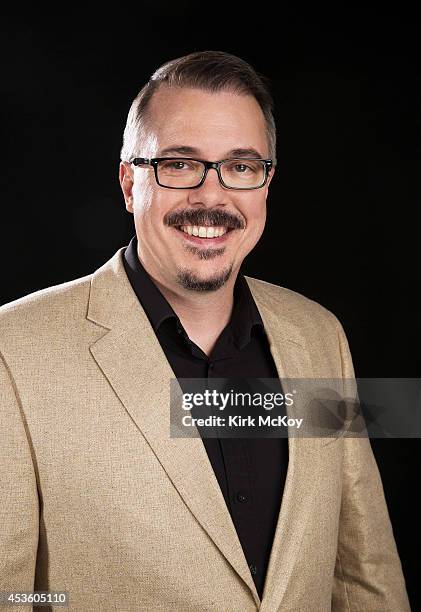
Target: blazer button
point(253, 569)
point(242, 497)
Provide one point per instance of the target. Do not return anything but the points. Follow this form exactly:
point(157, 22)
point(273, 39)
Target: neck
point(203, 316)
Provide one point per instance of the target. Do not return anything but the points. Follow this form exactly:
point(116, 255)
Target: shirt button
point(253, 569)
point(242, 497)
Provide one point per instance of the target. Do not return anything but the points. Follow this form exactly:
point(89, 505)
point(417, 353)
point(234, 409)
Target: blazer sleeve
point(368, 573)
point(19, 508)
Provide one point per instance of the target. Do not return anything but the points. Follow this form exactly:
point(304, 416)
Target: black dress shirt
point(251, 472)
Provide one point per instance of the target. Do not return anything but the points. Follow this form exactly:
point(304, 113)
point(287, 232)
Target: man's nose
point(211, 191)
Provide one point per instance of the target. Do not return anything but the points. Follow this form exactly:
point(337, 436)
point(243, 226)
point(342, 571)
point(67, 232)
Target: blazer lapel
point(292, 359)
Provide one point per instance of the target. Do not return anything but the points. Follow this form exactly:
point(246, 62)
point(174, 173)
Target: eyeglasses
point(189, 173)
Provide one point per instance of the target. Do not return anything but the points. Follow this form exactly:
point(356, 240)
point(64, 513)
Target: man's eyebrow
point(186, 150)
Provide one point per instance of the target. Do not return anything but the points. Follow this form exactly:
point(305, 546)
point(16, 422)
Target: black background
point(342, 223)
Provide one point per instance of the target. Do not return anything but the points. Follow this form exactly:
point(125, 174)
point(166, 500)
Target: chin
point(195, 280)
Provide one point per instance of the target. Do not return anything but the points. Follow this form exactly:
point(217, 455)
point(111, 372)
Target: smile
point(200, 234)
point(204, 231)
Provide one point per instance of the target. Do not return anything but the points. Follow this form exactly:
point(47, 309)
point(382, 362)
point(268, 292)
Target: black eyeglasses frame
point(138, 161)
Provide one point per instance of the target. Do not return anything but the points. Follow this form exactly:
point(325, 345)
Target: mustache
point(216, 218)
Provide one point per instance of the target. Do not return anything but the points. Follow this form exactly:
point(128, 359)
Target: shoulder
point(45, 309)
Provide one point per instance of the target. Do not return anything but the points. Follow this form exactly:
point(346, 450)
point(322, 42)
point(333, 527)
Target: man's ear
point(270, 177)
point(126, 179)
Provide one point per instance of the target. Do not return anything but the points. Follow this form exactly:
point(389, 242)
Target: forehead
point(207, 121)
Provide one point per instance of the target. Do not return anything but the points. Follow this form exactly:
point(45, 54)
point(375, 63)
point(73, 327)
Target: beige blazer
point(98, 500)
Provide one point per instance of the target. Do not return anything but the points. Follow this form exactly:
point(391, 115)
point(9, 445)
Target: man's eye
point(243, 168)
point(177, 165)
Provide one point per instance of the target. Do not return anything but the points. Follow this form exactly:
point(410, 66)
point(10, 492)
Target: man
point(98, 499)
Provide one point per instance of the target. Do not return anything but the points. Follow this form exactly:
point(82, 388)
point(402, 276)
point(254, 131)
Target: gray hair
point(211, 71)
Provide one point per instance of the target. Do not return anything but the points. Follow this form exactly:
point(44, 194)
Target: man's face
point(211, 125)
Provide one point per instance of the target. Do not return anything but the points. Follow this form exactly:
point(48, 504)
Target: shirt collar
point(155, 304)
point(244, 317)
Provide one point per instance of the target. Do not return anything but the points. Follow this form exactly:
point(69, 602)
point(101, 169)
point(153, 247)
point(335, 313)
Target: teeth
point(204, 232)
